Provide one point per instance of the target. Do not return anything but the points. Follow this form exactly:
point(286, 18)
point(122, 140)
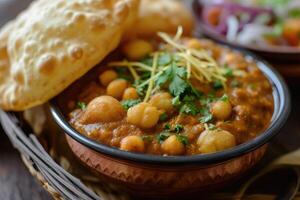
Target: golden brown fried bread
point(4, 61)
point(161, 15)
point(53, 43)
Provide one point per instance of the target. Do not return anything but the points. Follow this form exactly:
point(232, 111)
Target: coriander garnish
point(167, 126)
point(162, 136)
point(224, 98)
point(174, 69)
point(130, 103)
point(178, 128)
point(183, 139)
point(163, 117)
point(147, 138)
point(81, 105)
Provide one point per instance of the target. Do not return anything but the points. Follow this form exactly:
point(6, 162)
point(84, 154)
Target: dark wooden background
point(17, 184)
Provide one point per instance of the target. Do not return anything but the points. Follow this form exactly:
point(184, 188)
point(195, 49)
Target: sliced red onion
point(233, 9)
point(233, 28)
point(253, 33)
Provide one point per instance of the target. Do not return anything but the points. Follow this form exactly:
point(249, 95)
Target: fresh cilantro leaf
point(198, 94)
point(212, 127)
point(163, 117)
point(121, 70)
point(167, 126)
point(81, 105)
point(181, 72)
point(145, 75)
point(147, 61)
point(147, 138)
point(175, 76)
point(224, 98)
point(130, 103)
point(217, 85)
point(126, 77)
point(206, 118)
point(176, 58)
point(205, 101)
point(164, 59)
point(206, 115)
point(162, 136)
point(176, 101)
point(178, 128)
point(189, 109)
point(204, 111)
point(211, 95)
point(228, 72)
point(189, 98)
point(164, 77)
point(123, 73)
point(141, 90)
point(177, 86)
point(183, 139)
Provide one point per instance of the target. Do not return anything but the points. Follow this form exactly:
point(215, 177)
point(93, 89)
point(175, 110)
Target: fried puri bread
point(53, 43)
point(161, 15)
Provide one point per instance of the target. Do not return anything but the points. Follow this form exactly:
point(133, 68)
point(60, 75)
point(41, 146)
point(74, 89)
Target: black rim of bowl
point(281, 112)
point(209, 32)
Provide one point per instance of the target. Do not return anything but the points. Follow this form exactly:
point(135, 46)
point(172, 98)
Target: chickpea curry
point(174, 96)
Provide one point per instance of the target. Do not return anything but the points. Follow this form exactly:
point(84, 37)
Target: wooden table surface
point(17, 184)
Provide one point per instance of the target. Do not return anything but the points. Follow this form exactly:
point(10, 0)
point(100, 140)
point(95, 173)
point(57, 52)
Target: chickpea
point(221, 110)
point(243, 111)
point(163, 101)
point(130, 93)
point(108, 76)
point(216, 140)
point(116, 88)
point(172, 146)
point(133, 143)
point(194, 131)
point(143, 115)
point(240, 94)
point(229, 58)
point(194, 44)
point(137, 49)
point(103, 109)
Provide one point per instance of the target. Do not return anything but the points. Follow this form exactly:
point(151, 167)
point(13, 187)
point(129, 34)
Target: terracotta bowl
point(278, 54)
point(151, 176)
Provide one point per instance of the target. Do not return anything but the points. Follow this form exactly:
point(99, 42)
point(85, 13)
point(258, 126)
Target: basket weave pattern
point(57, 181)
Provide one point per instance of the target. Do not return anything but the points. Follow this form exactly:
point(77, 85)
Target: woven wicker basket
point(53, 176)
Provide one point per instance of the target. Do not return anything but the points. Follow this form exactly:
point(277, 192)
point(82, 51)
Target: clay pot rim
point(282, 106)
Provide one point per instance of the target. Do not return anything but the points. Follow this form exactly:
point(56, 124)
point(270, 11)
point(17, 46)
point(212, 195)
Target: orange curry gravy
point(249, 95)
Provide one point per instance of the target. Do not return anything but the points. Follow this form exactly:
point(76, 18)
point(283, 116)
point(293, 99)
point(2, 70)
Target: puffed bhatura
point(53, 43)
point(161, 15)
